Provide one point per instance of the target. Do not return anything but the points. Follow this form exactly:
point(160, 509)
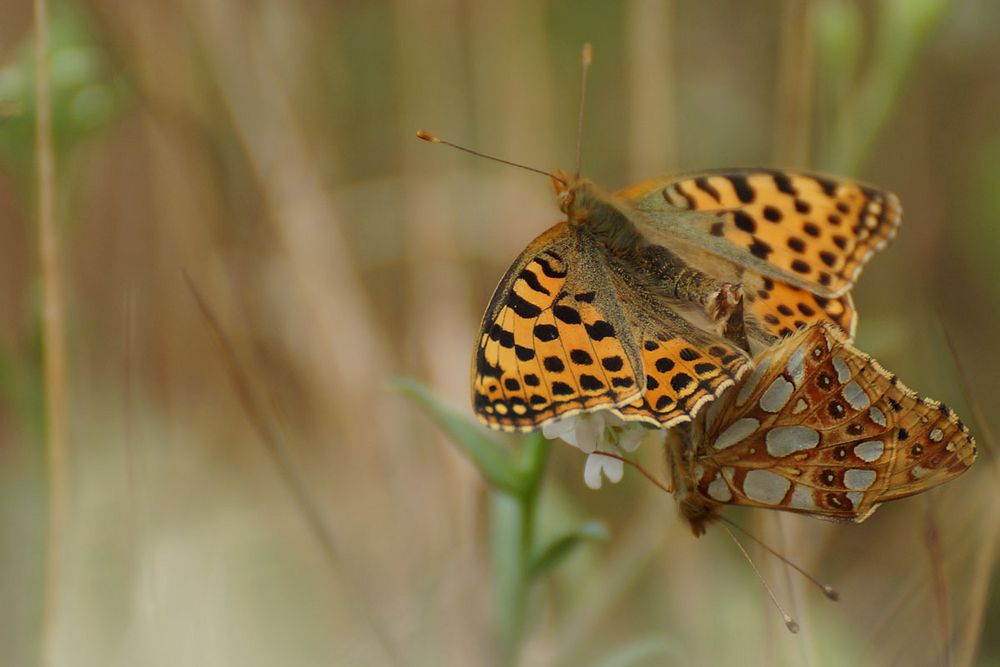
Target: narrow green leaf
point(489, 455)
point(558, 549)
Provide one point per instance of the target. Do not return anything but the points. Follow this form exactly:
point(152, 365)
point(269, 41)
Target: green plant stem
point(513, 544)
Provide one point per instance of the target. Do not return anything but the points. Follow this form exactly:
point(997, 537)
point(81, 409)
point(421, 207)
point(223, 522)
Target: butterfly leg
point(725, 307)
point(721, 301)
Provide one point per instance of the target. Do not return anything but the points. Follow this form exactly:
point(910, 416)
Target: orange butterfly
point(643, 302)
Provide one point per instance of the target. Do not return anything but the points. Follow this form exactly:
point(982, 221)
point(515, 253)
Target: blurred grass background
point(265, 149)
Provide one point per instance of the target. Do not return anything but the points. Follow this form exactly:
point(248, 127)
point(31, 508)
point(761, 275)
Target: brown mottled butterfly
point(818, 428)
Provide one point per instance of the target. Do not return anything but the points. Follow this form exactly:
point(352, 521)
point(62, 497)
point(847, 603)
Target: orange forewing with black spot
point(780, 309)
point(564, 335)
point(818, 231)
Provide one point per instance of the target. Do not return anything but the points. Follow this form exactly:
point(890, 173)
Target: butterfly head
point(575, 195)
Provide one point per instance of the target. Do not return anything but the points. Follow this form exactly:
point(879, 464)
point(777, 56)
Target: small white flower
point(597, 432)
point(564, 428)
point(596, 464)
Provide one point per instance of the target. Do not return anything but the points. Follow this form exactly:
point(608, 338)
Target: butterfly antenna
point(427, 136)
point(790, 622)
point(645, 473)
point(586, 56)
point(828, 590)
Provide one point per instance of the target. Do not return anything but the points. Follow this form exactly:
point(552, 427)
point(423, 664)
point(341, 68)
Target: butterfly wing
point(821, 428)
point(564, 334)
point(777, 308)
point(685, 367)
point(813, 232)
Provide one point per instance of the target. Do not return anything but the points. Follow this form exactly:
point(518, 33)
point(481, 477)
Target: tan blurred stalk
point(794, 98)
point(345, 353)
point(434, 300)
point(652, 141)
point(53, 348)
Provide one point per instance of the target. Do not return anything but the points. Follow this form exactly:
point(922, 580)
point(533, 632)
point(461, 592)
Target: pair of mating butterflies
point(650, 302)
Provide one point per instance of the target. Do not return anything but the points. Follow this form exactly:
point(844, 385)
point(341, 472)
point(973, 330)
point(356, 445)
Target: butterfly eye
point(565, 200)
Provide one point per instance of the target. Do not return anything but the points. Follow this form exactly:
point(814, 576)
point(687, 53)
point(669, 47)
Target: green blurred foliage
point(85, 91)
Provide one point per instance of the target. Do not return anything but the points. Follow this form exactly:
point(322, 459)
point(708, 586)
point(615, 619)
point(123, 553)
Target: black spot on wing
point(531, 279)
point(680, 381)
point(554, 364)
point(828, 186)
point(742, 188)
point(548, 268)
point(760, 249)
point(562, 389)
point(784, 183)
point(484, 367)
point(524, 353)
point(702, 184)
point(744, 222)
point(546, 332)
point(664, 402)
point(523, 307)
point(567, 314)
point(600, 330)
point(612, 363)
